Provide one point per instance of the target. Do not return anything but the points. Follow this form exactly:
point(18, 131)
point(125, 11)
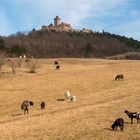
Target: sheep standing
point(132, 115)
point(67, 94)
point(118, 122)
point(42, 105)
point(24, 56)
point(20, 57)
point(25, 105)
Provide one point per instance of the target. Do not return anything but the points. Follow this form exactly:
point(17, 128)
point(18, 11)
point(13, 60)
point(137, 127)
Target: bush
point(33, 66)
point(19, 62)
point(13, 66)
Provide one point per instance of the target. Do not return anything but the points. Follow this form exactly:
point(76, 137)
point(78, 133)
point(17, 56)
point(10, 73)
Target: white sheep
point(67, 94)
point(20, 57)
point(24, 56)
point(72, 98)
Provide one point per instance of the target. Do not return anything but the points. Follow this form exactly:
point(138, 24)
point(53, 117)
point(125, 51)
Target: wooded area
point(50, 43)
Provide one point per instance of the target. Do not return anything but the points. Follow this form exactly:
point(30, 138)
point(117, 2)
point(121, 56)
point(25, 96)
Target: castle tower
point(57, 21)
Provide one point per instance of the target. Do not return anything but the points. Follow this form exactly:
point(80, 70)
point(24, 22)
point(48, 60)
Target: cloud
point(110, 15)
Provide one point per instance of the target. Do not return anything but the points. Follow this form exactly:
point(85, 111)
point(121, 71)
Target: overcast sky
point(115, 16)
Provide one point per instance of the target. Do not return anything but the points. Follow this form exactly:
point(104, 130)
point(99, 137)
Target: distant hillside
point(128, 55)
point(69, 44)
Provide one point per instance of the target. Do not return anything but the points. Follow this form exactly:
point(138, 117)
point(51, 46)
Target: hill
point(100, 100)
point(128, 55)
point(51, 43)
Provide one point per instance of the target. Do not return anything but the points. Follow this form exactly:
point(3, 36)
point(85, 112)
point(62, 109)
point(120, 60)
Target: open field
point(100, 100)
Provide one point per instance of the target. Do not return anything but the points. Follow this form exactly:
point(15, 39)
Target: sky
point(115, 16)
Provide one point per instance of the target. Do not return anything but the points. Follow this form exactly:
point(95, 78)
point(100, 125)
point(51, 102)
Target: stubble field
point(100, 100)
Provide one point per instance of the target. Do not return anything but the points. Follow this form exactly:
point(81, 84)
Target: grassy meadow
point(100, 100)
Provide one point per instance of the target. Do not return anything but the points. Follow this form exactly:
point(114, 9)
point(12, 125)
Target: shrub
point(19, 62)
point(12, 64)
point(33, 66)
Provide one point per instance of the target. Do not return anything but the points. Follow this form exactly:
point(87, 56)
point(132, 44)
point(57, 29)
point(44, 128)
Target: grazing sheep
point(57, 67)
point(67, 94)
point(56, 62)
point(118, 122)
point(138, 117)
point(72, 98)
point(132, 115)
point(42, 105)
point(25, 106)
point(119, 77)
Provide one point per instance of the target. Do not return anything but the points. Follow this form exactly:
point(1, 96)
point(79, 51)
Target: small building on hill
point(58, 25)
point(62, 26)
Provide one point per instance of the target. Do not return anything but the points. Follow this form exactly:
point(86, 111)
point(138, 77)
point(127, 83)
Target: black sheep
point(118, 122)
point(57, 67)
point(132, 115)
point(42, 105)
point(56, 62)
point(119, 77)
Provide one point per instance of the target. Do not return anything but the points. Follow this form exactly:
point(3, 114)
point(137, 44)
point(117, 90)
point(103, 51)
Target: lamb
point(69, 97)
point(119, 77)
point(118, 122)
point(72, 98)
point(67, 94)
point(25, 106)
point(132, 115)
point(42, 105)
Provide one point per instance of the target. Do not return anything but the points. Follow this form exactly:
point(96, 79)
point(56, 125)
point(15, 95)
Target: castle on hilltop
point(58, 25)
point(62, 26)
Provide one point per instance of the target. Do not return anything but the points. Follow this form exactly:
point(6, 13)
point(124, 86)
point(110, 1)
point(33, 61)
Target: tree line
point(67, 44)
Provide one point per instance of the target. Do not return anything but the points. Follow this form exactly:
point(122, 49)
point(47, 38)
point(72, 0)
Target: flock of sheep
point(118, 122)
point(25, 105)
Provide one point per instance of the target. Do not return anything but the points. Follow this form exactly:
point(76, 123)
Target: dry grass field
point(100, 100)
